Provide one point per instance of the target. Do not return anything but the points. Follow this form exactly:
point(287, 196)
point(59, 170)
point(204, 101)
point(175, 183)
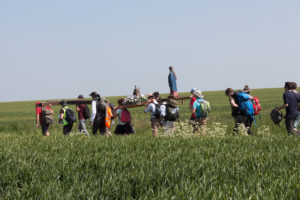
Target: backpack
point(171, 110)
point(86, 112)
point(276, 116)
point(47, 116)
point(157, 111)
point(171, 113)
point(125, 116)
point(204, 108)
point(245, 105)
point(256, 105)
point(70, 116)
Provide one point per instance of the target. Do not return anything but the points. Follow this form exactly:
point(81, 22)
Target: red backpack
point(256, 105)
point(125, 116)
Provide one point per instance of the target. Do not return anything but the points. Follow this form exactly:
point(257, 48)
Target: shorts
point(45, 128)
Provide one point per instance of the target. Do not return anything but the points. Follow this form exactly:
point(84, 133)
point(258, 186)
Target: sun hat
point(198, 93)
point(246, 88)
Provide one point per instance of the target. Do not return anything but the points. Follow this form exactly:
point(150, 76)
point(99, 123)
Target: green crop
point(183, 165)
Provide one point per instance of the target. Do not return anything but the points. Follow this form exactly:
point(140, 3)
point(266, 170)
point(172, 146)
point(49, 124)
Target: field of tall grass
point(186, 166)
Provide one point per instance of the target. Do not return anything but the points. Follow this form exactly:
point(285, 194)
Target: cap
point(193, 90)
point(93, 93)
point(63, 103)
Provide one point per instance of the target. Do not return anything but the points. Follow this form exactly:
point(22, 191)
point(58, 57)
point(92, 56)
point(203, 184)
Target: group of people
point(164, 112)
point(241, 116)
point(291, 99)
point(100, 118)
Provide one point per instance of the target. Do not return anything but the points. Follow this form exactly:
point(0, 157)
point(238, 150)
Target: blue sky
point(59, 49)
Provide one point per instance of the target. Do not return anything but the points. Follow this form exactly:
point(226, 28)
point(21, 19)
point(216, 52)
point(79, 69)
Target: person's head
point(193, 90)
point(80, 96)
point(38, 104)
point(120, 101)
point(95, 96)
point(150, 96)
point(294, 85)
point(247, 89)
point(171, 68)
point(198, 94)
point(229, 92)
point(63, 103)
point(156, 95)
point(288, 85)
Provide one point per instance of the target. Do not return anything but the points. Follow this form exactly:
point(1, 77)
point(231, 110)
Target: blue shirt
point(197, 106)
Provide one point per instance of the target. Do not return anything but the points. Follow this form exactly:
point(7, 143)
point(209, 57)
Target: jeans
point(297, 121)
point(289, 125)
point(82, 127)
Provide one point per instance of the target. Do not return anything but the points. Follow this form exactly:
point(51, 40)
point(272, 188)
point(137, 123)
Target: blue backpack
point(245, 105)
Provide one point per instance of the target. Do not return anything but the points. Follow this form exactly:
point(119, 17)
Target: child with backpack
point(124, 126)
point(201, 108)
point(83, 114)
point(152, 106)
point(67, 118)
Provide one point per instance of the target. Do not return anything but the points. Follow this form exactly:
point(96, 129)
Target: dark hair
point(294, 85)
point(80, 96)
point(121, 101)
point(228, 90)
point(288, 85)
point(156, 94)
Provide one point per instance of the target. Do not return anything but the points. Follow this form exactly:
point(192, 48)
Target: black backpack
point(276, 116)
point(70, 116)
point(86, 112)
point(171, 111)
point(157, 111)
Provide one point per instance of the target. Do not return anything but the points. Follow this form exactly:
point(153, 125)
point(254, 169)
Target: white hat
point(198, 93)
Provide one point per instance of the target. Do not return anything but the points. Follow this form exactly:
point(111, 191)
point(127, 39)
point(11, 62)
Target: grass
point(143, 167)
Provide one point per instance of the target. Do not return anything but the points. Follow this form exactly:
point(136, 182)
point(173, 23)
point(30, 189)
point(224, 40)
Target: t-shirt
point(197, 106)
point(151, 108)
point(38, 111)
point(80, 112)
point(234, 110)
point(119, 111)
point(292, 99)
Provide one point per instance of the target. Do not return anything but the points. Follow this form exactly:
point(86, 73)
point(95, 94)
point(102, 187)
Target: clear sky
point(59, 49)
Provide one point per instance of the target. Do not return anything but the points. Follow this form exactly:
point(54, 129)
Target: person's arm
point(194, 108)
point(282, 107)
point(77, 108)
point(37, 120)
point(285, 103)
point(94, 110)
point(194, 111)
point(147, 108)
point(232, 103)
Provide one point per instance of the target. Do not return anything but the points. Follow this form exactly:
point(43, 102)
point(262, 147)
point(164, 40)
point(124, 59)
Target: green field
point(263, 166)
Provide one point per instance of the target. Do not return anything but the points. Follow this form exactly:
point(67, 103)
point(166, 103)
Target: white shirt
point(94, 110)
